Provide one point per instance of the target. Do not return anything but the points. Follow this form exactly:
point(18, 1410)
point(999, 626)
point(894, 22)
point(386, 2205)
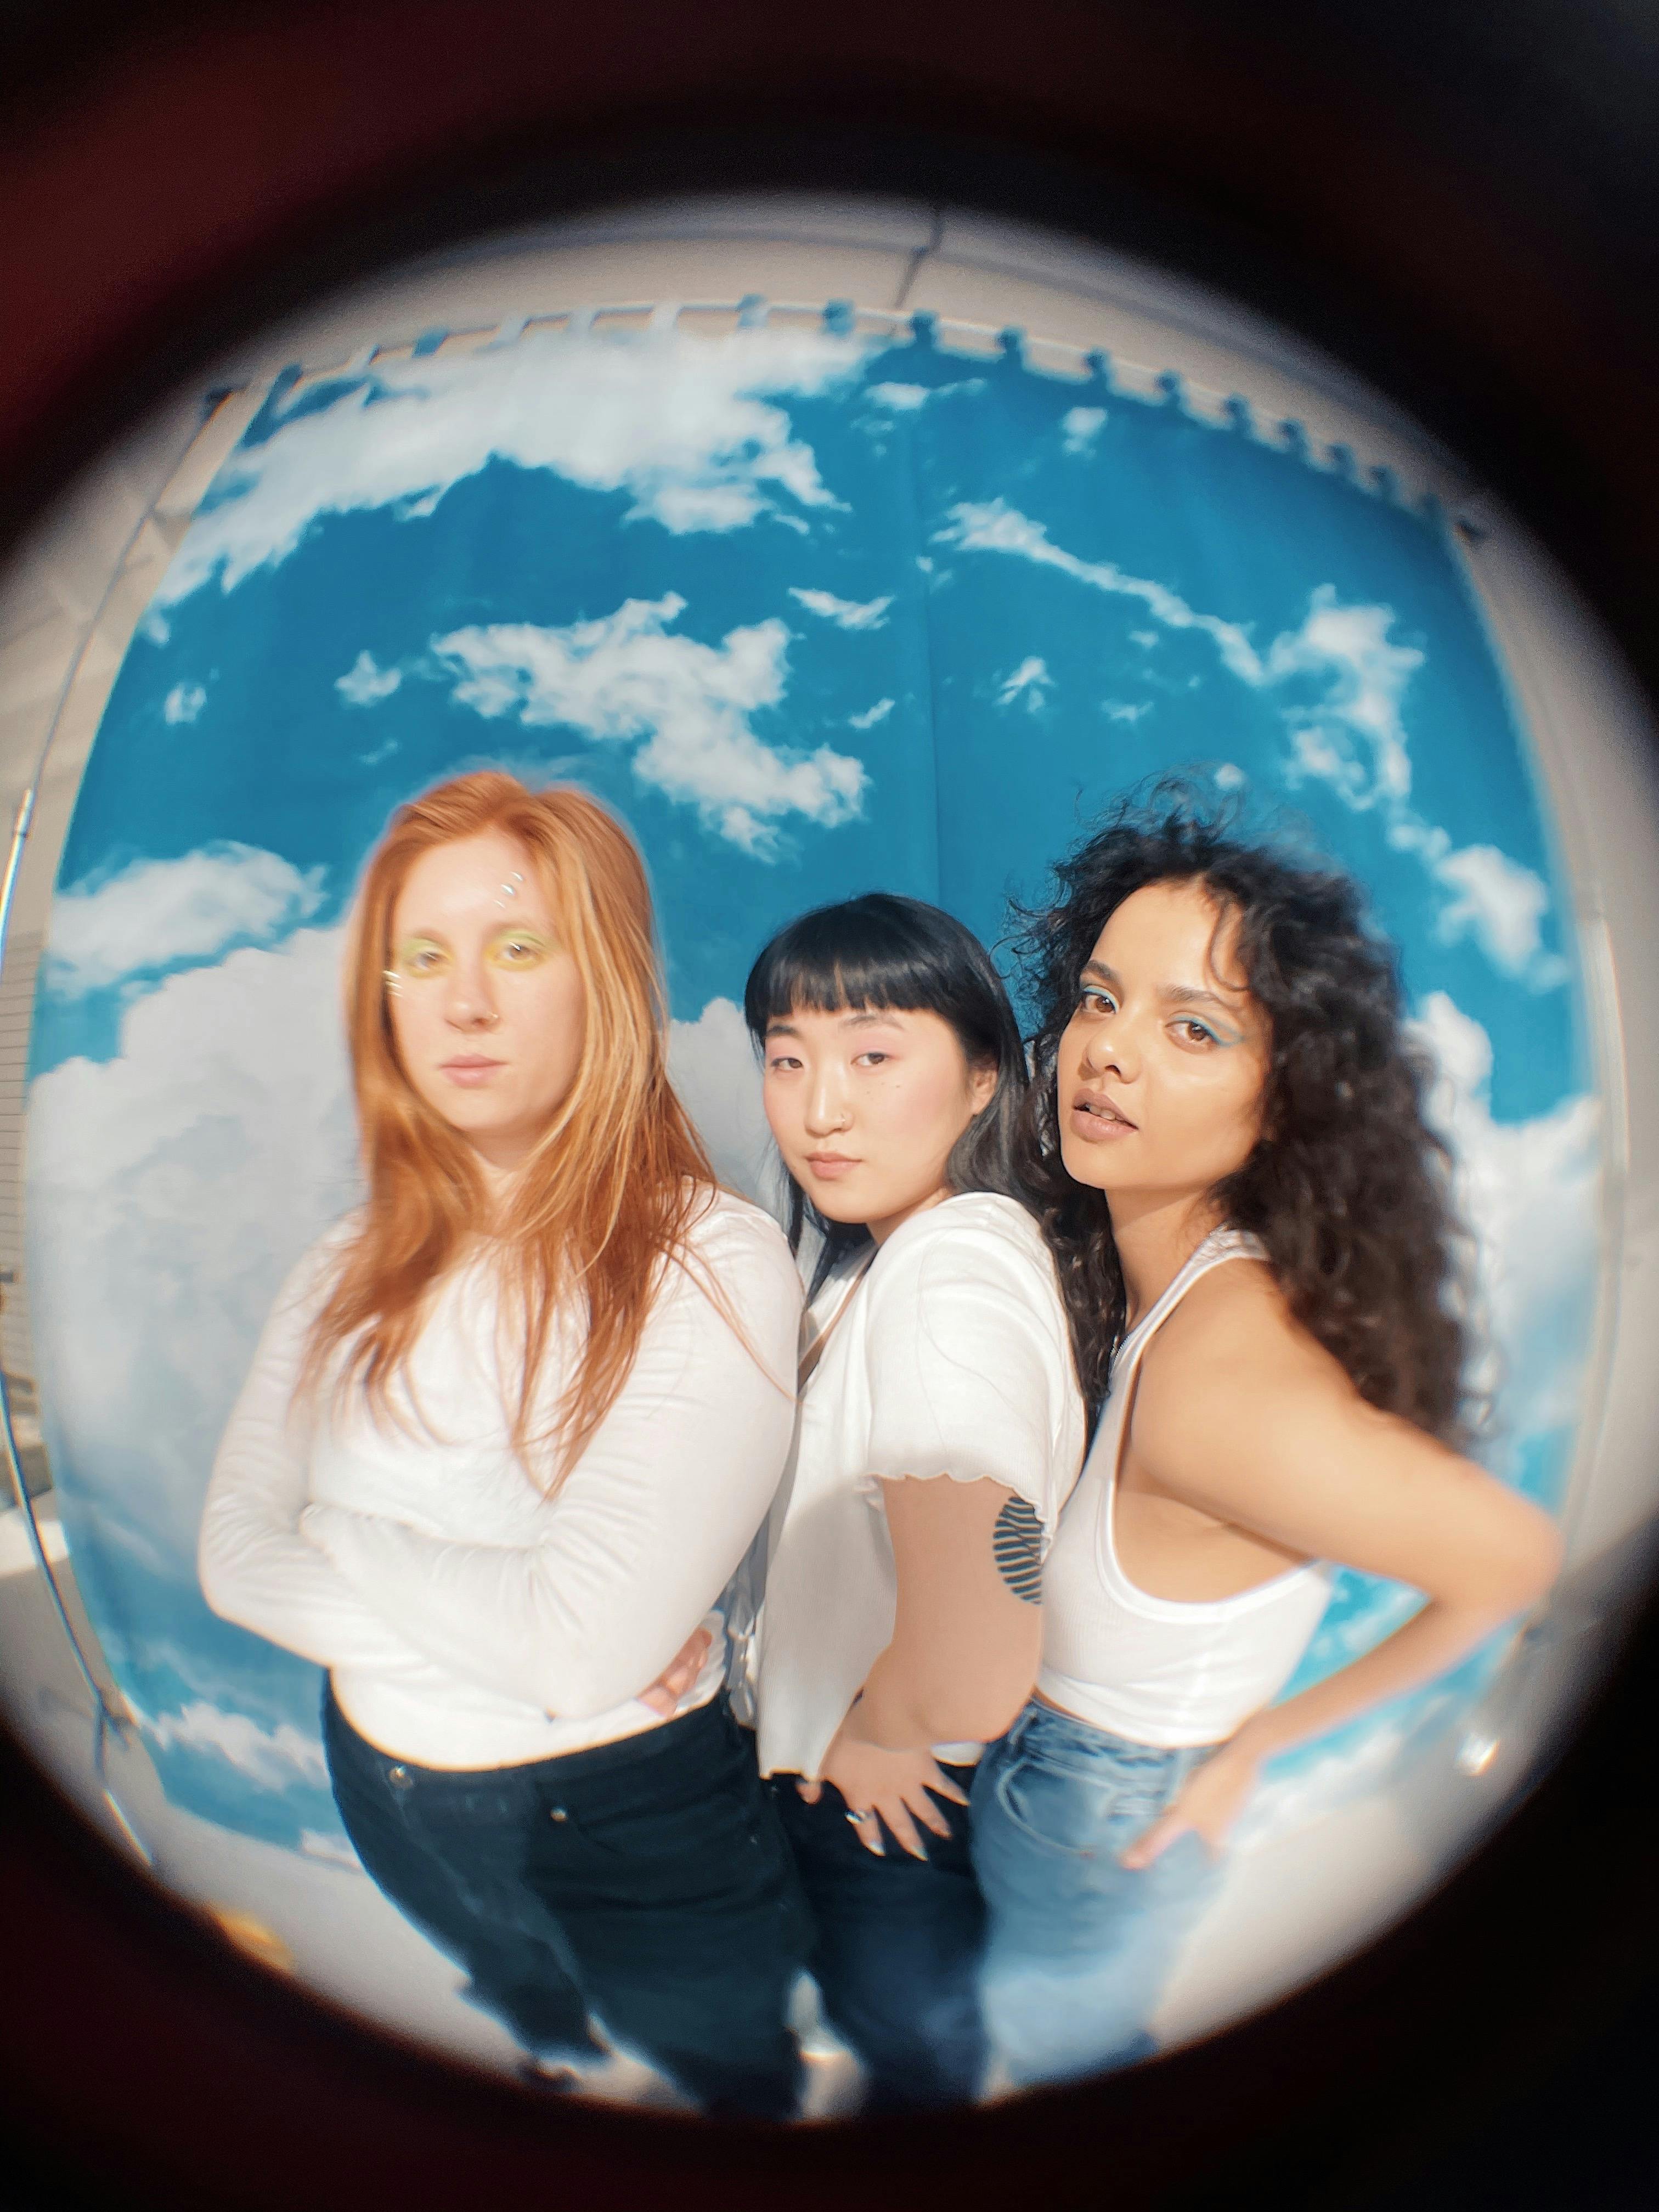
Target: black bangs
point(879, 951)
point(901, 956)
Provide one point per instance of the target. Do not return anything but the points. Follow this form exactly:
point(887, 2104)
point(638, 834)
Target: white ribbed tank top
point(1161, 1670)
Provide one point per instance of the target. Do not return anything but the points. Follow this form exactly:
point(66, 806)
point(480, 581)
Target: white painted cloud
point(1501, 904)
point(902, 398)
point(365, 683)
point(169, 1191)
point(1230, 777)
point(183, 703)
point(623, 679)
point(683, 426)
point(996, 528)
point(713, 1066)
point(1122, 710)
point(155, 913)
point(872, 715)
point(272, 1759)
point(993, 526)
point(1080, 427)
point(845, 614)
point(1028, 682)
point(1530, 1191)
point(1352, 736)
point(1339, 680)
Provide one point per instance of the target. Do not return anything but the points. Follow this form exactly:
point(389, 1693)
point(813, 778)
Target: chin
point(836, 1209)
point(1085, 1164)
point(483, 1122)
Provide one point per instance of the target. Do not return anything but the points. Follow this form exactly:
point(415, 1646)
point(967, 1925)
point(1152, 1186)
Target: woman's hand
point(891, 1783)
point(678, 1675)
point(1212, 1800)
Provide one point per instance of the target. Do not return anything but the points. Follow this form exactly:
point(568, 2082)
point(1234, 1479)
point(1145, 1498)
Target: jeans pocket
point(717, 1820)
point(470, 1817)
point(1072, 1810)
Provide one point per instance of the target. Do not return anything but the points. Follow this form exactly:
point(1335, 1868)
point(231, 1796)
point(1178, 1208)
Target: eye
point(1091, 999)
point(517, 951)
point(873, 1058)
point(1191, 1030)
point(780, 1063)
point(423, 959)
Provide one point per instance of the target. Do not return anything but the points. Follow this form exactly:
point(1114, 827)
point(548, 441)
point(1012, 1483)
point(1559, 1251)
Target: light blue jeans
point(1079, 1947)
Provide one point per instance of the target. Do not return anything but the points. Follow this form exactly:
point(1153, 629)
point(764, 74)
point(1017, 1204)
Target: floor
point(1285, 1912)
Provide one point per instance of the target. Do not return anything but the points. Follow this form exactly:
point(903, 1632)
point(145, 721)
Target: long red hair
point(615, 1181)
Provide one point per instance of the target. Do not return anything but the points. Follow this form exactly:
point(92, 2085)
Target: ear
point(982, 1084)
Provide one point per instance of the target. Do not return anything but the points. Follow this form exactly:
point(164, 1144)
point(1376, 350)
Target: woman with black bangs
point(900, 1628)
point(1256, 1247)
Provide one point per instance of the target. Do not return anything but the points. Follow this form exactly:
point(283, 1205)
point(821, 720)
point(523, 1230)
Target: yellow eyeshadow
point(518, 948)
point(415, 951)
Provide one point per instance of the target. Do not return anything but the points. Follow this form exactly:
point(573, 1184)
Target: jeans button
point(400, 1776)
point(558, 1814)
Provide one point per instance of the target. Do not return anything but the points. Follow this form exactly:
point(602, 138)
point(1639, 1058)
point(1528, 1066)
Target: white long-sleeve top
point(469, 1620)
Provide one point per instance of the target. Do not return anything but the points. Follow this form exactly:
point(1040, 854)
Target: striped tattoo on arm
point(1017, 1547)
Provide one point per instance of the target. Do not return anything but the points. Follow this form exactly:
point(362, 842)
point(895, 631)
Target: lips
point(471, 1069)
point(829, 1164)
point(1095, 1118)
point(1094, 1102)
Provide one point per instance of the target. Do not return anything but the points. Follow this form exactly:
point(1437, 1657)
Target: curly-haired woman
point(1251, 1222)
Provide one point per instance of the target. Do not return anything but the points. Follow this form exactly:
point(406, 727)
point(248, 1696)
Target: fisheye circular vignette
point(892, 575)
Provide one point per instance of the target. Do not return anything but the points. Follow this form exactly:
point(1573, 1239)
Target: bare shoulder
point(1235, 1315)
point(1231, 1364)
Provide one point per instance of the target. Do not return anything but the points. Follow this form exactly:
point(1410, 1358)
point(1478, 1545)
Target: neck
point(499, 1171)
point(1155, 1235)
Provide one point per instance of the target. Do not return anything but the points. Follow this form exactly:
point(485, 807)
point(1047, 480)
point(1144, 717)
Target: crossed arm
point(628, 1557)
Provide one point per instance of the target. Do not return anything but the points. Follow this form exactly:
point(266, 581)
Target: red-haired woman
point(510, 1429)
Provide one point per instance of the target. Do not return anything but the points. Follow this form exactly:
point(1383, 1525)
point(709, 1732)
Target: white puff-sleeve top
point(951, 1358)
point(470, 1619)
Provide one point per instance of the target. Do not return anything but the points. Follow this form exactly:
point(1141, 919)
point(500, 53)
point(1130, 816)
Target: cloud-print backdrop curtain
point(816, 611)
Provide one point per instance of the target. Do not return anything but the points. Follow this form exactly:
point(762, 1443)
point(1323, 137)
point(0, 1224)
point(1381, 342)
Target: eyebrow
point(867, 1018)
point(1172, 994)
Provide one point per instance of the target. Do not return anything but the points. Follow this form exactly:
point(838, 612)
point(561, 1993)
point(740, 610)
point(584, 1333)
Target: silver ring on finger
point(856, 1817)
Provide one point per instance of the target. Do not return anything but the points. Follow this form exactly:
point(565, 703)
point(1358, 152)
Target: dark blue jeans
point(646, 1881)
point(896, 1951)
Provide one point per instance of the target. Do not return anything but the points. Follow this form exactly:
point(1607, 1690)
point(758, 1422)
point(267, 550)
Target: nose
point(1111, 1047)
point(827, 1109)
point(469, 1003)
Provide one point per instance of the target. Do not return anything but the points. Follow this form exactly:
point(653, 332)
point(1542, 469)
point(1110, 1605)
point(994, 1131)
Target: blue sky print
point(817, 613)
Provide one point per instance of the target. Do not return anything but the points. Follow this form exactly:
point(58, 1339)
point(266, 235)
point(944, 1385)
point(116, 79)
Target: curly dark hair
point(1348, 1189)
